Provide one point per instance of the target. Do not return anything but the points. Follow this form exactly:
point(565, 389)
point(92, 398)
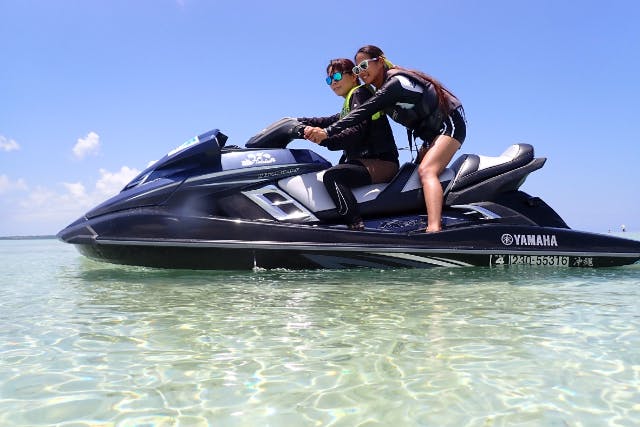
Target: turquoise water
point(89, 344)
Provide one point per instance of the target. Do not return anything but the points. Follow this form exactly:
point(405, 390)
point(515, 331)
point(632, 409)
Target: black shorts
point(455, 125)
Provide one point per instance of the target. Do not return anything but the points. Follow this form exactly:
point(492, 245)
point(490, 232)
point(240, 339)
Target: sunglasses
point(336, 76)
point(363, 65)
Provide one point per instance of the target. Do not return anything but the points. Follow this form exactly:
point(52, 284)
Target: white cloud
point(88, 145)
point(7, 144)
point(46, 210)
point(110, 183)
point(75, 189)
point(6, 185)
point(38, 198)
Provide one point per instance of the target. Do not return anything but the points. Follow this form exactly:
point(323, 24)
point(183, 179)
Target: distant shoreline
point(45, 236)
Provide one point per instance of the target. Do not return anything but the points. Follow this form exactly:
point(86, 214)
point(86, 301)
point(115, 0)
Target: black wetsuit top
point(407, 100)
point(366, 139)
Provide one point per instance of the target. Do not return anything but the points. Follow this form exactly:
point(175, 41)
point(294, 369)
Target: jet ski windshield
point(198, 151)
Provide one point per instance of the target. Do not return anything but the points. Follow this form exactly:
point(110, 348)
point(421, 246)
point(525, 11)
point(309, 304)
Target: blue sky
point(92, 91)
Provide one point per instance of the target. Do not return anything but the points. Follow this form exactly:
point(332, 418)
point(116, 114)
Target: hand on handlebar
point(315, 134)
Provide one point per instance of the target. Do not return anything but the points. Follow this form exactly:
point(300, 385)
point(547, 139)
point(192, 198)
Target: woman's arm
point(319, 121)
point(348, 137)
point(385, 97)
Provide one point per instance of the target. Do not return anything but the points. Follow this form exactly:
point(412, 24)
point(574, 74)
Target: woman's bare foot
point(357, 226)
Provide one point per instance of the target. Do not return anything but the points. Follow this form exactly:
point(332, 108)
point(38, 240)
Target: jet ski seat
point(470, 169)
point(485, 178)
point(465, 171)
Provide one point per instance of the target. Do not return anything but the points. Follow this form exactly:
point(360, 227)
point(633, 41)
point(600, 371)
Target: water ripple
point(91, 344)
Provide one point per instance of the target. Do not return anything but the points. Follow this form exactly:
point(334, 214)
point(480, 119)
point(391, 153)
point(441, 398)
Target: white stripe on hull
point(443, 262)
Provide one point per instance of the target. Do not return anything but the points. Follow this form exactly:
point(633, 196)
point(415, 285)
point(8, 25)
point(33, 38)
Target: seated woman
point(369, 154)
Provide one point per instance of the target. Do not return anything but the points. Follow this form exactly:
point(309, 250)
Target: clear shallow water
point(90, 344)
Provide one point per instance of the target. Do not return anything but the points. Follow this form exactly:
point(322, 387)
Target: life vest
point(429, 95)
point(371, 147)
point(430, 111)
point(346, 106)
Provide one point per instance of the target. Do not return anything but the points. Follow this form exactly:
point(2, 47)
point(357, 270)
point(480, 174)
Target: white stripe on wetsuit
point(453, 126)
point(341, 202)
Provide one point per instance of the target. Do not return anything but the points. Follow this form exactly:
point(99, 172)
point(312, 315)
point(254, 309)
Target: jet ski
point(209, 205)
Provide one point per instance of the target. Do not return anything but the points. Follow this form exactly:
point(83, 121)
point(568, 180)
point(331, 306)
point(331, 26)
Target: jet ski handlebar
point(277, 135)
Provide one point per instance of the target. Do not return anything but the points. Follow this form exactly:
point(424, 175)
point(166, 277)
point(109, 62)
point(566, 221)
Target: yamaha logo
point(529, 239)
point(507, 239)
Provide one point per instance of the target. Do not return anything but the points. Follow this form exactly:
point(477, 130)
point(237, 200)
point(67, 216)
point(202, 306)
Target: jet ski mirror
point(278, 134)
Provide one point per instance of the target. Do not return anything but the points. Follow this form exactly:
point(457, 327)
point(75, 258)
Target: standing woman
point(421, 104)
point(369, 154)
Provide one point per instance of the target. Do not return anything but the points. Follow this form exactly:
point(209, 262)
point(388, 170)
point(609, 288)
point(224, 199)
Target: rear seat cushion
point(471, 168)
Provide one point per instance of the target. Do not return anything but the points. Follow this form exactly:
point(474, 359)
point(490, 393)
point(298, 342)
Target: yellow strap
point(347, 100)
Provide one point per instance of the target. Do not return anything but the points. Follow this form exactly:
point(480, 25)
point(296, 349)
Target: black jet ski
point(206, 205)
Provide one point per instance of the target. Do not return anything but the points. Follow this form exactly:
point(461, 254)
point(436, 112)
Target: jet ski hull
point(220, 243)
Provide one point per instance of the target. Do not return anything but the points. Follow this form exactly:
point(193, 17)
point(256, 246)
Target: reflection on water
point(87, 343)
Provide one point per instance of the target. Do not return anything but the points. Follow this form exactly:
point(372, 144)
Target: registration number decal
point(541, 260)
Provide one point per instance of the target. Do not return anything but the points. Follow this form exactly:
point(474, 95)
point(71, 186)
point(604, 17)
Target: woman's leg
point(338, 181)
point(433, 163)
point(380, 170)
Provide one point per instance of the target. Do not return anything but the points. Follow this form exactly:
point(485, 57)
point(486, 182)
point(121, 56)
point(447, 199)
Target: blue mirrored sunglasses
point(335, 76)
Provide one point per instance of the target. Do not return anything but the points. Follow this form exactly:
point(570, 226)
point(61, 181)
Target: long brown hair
point(444, 94)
